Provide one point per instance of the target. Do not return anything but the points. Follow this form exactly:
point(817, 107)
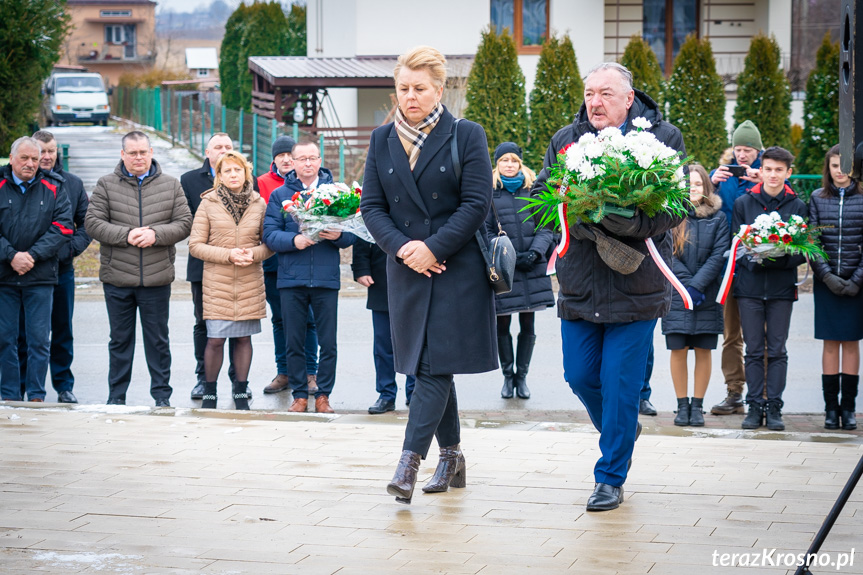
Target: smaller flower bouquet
point(613, 173)
point(328, 207)
point(769, 237)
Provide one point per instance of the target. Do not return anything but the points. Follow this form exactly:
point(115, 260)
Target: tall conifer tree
point(495, 90)
point(821, 109)
point(764, 94)
point(558, 92)
point(640, 59)
point(696, 101)
point(229, 77)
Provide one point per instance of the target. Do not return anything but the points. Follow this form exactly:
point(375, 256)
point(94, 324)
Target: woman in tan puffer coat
point(226, 235)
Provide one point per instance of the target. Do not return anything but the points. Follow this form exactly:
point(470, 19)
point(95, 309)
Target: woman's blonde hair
point(237, 158)
point(529, 175)
point(423, 58)
point(680, 234)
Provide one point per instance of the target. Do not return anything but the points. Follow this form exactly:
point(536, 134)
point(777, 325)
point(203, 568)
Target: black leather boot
point(755, 418)
point(402, 485)
point(451, 471)
point(830, 388)
point(209, 398)
point(523, 353)
point(773, 414)
point(241, 395)
point(733, 403)
point(504, 352)
point(849, 396)
point(696, 412)
point(683, 407)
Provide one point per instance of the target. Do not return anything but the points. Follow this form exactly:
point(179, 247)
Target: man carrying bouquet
point(308, 276)
point(608, 318)
point(766, 291)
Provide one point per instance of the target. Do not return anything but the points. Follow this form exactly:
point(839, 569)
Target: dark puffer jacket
point(591, 290)
point(700, 266)
point(531, 290)
point(843, 239)
point(771, 279)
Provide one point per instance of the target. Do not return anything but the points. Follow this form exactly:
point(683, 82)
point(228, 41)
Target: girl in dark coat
point(838, 299)
point(425, 219)
point(700, 243)
point(531, 290)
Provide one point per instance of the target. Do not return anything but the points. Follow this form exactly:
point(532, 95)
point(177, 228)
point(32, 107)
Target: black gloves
point(851, 289)
point(697, 297)
point(525, 261)
point(835, 284)
point(620, 226)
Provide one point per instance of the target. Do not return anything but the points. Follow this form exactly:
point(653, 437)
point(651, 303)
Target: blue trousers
point(36, 302)
point(604, 366)
point(385, 371)
point(311, 347)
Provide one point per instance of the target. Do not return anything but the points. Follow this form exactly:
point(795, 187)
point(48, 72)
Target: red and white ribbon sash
point(564, 230)
point(669, 275)
point(725, 286)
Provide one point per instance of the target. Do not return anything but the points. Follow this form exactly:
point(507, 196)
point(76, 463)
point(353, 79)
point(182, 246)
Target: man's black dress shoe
point(382, 406)
point(198, 391)
point(163, 402)
point(605, 498)
point(66, 397)
point(646, 408)
point(116, 401)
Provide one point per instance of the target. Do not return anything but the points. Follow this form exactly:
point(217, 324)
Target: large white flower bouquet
point(328, 207)
point(613, 173)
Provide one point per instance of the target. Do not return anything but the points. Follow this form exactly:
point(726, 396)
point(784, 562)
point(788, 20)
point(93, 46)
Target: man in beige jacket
point(138, 213)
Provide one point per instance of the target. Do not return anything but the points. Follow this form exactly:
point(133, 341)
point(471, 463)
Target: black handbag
point(499, 254)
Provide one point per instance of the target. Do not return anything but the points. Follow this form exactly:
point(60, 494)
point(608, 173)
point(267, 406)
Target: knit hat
point(506, 148)
point(283, 145)
point(747, 134)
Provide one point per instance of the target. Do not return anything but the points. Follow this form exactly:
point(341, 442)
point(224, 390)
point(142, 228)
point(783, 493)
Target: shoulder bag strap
point(456, 168)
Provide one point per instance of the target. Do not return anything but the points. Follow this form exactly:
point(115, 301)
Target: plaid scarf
point(413, 137)
point(235, 202)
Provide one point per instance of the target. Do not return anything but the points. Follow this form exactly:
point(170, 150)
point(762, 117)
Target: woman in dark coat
point(700, 243)
point(838, 205)
point(531, 290)
point(425, 218)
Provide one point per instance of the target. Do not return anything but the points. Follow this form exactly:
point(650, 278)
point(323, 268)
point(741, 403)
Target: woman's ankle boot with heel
point(696, 412)
point(209, 400)
point(450, 471)
point(405, 478)
point(682, 418)
point(241, 396)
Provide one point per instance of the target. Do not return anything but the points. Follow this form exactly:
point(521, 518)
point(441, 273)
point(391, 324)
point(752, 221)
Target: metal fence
point(190, 118)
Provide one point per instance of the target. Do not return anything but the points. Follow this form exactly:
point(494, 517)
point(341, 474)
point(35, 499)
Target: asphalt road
point(95, 151)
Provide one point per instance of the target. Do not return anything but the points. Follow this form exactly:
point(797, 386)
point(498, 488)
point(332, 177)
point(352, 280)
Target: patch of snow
point(107, 562)
point(234, 430)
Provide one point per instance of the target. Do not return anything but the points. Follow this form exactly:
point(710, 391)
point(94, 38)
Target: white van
point(76, 97)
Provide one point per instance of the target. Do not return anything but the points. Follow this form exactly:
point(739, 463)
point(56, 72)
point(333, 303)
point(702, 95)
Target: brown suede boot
point(312, 380)
point(450, 471)
point(279, 383)
point(405, 478)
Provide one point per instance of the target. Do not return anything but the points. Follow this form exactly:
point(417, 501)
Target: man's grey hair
point(625, 74)
point(136, 135)
point(44, 136)
point(24, 141)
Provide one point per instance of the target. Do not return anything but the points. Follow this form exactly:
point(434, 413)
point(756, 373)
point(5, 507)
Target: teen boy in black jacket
point(766, 292)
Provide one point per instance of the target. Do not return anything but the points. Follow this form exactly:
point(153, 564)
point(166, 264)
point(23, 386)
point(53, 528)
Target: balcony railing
point(109, 53)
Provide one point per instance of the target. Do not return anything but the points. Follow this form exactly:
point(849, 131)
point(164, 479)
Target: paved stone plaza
point(109, 489)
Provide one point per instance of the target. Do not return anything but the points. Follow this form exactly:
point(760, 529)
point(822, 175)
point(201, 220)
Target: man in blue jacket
point(35, 225)
point(308, 276)
point(746, 143)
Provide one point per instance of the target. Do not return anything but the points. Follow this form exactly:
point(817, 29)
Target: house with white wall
point(353, 31)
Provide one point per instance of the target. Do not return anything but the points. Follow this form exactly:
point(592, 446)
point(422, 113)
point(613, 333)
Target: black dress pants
point(433, 411)
point(152, 305)
point(765, 325)
point(295, 314)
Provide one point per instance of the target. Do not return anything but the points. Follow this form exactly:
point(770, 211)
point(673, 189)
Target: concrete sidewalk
point(110, 489)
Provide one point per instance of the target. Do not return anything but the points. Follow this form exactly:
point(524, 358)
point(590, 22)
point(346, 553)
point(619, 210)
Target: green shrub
point(820, 110)
point(558, 92)
point(764, 94)
point(696, 101)
point(646, 73)
point(495, 90)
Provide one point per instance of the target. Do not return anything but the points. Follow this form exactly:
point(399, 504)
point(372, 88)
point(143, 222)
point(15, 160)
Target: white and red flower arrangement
point(328, 207)
point(770, 237)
